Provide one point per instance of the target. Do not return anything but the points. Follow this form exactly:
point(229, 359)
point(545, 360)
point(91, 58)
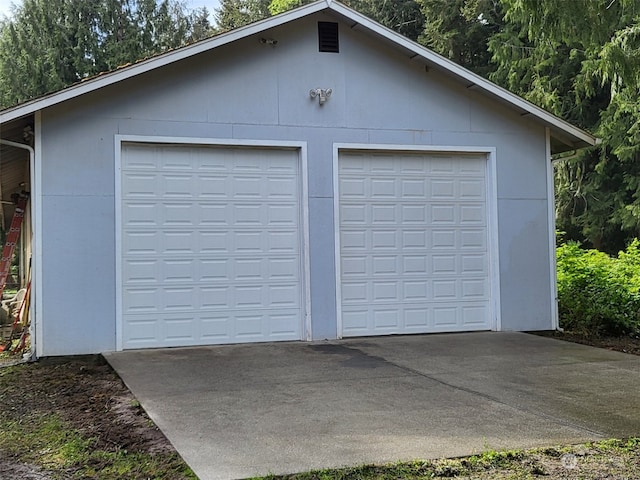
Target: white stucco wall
point(253, 91)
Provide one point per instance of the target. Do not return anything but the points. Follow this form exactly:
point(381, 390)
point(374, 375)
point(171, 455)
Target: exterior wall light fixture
point(323, 94)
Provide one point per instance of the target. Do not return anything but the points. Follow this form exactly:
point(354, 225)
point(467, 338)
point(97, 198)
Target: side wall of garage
point(258, 92)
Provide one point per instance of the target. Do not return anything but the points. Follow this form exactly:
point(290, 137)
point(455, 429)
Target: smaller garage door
point(211, 249)
point(414, 254)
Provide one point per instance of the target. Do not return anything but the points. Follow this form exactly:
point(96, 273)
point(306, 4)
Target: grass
point(48, 442)
point(615, 459)
point(40, 439)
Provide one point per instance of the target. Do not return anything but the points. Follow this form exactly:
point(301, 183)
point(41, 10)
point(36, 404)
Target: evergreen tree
point(460, 30)
point(236, 13)
point(402, 16)
point(50, 44)
point(581, 60)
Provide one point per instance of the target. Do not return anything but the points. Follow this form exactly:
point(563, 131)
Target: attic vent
point(328, 40)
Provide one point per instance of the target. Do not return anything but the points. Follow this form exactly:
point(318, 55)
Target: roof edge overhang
point(563, 132)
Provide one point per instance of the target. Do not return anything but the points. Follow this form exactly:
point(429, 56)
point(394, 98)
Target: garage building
point(311, 176)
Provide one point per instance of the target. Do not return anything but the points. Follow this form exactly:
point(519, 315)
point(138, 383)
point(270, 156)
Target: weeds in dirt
point(50, 443)
point(619, 459)
point(76, 420)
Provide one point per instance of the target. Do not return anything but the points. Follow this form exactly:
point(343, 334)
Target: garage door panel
point(472, 215)
point(475, 289)
point(413, 214)
point(355, 292)
point(401, 290)
point(472, 189)
point(413, 239)
point(354, 214)
point(384, 240)
point(141, 300)
point(442, 265)
point(162, 185)
point(230, 242)
point(415, 265)
point(413, 252)
point(474, 264)
point(140, 214)
point(210, 246)
point(475, 239)
point(445, 239)
point(140, 271)
point(178, 298)
point(414, 189)
point(416, 291)
point(140, 185)
point(384, 265)
point(413, 318)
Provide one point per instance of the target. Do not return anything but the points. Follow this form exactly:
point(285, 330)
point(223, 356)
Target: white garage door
point(414, 254)
point(211, 249)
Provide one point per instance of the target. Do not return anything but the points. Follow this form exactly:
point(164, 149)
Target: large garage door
point(211, 249)
point(414, 252)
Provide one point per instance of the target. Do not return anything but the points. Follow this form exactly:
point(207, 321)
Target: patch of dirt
point(9, 469)
point(88, 394)
point(626, 344)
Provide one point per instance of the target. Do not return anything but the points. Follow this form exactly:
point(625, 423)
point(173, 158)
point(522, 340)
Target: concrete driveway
point(246, 410)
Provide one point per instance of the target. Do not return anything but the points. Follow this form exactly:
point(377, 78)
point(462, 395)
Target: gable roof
point(565, 136)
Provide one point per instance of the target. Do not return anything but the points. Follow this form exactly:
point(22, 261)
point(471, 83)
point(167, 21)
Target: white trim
point(223, 142)
point(551, 212)
point(494, 236)
point(492, 214)
point(118, 239)
point(336, 233)
point(301, 147)
point(37, 312)
point(414, 48)
point(306, 256)
point(412, 148)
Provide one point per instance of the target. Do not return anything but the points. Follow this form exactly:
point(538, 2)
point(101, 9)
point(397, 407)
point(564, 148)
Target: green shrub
point(598, 294)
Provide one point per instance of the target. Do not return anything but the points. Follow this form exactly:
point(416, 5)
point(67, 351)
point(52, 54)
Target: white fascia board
point(465, 74)
point(161, 60)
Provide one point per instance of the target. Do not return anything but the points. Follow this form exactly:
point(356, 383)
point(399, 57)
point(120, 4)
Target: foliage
point(50, 44)
point(61, 419)
point(49, 442)
point(279, 6)
point(402, 16)
point(599, 294)
point(236, 13)
point(460, 30)
point(594, 460)
point(580, 60)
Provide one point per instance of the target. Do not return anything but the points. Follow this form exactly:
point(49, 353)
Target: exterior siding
point(253, 91)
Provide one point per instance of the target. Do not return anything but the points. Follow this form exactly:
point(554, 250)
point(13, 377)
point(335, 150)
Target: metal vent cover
point(328, 39)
